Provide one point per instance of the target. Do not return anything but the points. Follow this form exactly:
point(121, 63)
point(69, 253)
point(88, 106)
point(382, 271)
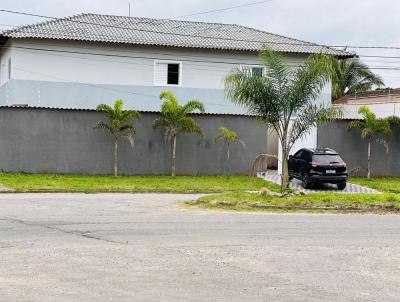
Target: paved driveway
point(145, 247)
point(272, 176)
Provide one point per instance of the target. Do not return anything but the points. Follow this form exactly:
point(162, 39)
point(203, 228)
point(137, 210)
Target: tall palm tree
point(370, 127)
point(118, 126)
point(284, 98)
point(350, 76)
point(173, 118)
point(228, 137)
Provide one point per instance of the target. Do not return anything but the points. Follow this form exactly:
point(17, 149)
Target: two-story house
point(83, 60)
point(80, 61)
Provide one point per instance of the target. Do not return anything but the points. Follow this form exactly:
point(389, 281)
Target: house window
point(167, 73)
point(253, 70)
point(9, 68)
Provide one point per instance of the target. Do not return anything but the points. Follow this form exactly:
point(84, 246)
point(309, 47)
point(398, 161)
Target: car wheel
point(306, 181)
point(341, 186)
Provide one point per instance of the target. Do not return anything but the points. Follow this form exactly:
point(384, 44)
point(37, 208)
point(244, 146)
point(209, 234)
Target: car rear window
point(327, 158)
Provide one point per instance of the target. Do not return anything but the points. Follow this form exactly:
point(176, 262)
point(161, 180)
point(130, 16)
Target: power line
point(223, 9)
point(8, 25)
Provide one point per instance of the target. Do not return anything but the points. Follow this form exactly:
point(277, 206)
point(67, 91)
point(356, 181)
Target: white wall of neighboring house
point(381, 110)
point(5, 55)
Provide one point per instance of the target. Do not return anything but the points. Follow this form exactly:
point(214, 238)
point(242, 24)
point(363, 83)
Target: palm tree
point(370, 127)
point(228, 137)
point(173, 118)
point(118, 126)
point(350, 76)
point(284, 97)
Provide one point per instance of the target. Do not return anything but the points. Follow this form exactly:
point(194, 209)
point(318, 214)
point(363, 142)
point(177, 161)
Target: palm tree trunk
point(228, 161)
point(116, 157)
point(285, 170)
point(369, 160)
point(173, 163)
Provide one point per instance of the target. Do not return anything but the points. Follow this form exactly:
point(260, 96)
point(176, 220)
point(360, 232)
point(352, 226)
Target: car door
point(295, 162)
point(304, 162)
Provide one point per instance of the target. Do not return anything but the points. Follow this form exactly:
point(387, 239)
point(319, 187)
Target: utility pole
point(129, 5)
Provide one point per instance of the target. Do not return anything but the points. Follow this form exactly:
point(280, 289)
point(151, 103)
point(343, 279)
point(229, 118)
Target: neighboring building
point(383, 104)
point(87, 59)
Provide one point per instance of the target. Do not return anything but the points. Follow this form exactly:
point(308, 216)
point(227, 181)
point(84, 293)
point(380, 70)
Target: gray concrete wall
point(353, 149)
point(64, 141)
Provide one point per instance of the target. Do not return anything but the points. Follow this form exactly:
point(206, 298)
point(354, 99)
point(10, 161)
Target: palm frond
point(188, 125)
point(356, 125)
point(105, 108)
point(118, 119)
point(193, 105)
point(308, 118)
point(258, 95)
point(103, 125)
point(308, 81)
point(278, 70)
point(126, 130)
point(167, 95)
point(173, 117)
point(160, 122)
point(371, 125)
point(351, 76)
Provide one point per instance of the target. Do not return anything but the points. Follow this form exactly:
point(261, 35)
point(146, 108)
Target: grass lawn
point(315, 202)
point(74, 183)
point(384, 184)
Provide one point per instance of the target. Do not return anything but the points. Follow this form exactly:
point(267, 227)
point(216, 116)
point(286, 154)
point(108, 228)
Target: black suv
point(317, 166)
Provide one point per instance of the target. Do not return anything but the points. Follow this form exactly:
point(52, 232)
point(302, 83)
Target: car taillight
point(313, 164)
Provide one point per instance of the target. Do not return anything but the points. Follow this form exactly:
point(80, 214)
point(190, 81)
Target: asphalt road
point(146, 247)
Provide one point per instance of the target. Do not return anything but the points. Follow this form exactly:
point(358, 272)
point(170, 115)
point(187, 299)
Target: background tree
point(118, 126)
point(370, 127)
point(350, 76)
point(284, 99)
point(228, 137)
point(173, 118)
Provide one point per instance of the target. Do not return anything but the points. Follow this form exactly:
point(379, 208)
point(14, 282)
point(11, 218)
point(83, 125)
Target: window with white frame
point(253, 70)
point(167, 73)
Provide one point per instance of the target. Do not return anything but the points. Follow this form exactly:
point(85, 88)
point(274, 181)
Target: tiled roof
point(165, 32)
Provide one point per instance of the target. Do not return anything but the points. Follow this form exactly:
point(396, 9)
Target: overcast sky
point(331, 22)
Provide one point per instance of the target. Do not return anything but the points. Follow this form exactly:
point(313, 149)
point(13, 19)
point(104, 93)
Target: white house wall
point(72, 78)
point(350, 111)
point(5, 54)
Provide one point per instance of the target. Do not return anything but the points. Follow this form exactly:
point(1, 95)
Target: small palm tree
point(228, 137)
point(118, 126)
point(284, 98)
point(173, 118)
point(370, 127)
point(351, 76)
